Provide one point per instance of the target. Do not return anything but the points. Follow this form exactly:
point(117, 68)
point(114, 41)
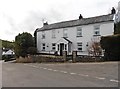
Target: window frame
point(43, 46)
point(79, 46)
point(53, 34)
point(65, 33)
point(43, 35)
point(53, 46)
point(96, 30)
point(79, 32)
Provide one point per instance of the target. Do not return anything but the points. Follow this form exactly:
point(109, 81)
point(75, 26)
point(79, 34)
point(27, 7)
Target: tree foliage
point(22, 43)
point(111, 45)
point(8, 44)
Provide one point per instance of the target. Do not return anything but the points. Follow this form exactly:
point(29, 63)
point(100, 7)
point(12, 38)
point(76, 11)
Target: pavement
point(103, 74)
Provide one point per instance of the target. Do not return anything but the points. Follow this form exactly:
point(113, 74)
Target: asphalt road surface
point(60, 75)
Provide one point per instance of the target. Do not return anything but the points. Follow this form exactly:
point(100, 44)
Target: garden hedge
point(111, 45)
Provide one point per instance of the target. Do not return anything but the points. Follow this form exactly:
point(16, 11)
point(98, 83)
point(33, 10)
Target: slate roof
point(78, 22)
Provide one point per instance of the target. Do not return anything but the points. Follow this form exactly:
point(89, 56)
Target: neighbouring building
point(73, 35)
point(118, 13)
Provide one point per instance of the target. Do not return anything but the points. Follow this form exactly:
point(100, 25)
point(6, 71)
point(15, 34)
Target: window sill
point(53, 37)
point(79, 36)
point(96, 35)
point(79, 51)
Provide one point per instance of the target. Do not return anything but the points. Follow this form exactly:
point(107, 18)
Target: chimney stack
point(80, 17)
point(45, 23)
point(113, 11)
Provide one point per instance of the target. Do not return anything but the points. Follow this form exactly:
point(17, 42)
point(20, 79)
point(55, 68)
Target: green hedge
point(111, 45)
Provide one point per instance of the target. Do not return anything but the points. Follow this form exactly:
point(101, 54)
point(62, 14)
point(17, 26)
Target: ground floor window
point(53, 46)
point(79, 46)
point(43, 46)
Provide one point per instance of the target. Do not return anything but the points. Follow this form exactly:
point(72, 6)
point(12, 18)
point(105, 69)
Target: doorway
point(61, 49)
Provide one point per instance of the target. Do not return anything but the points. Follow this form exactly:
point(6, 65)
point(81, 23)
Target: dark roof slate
point(78, 22)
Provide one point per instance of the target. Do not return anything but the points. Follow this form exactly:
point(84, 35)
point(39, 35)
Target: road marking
point(55, 70)
point(72, 73)
point(100, 78)
point(49, 69)
point(35, 66)
point(45, 68)
point(64, 72)
point(112, 80)
point(83, 75)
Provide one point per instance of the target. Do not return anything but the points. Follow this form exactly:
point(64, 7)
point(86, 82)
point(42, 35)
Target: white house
point(74, 34)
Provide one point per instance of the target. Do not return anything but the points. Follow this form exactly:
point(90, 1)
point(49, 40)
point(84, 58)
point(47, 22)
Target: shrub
point(32, 50)
point(111, 45)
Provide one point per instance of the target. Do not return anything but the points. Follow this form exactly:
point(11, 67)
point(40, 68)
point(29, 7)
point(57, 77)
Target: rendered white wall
point(106, 28)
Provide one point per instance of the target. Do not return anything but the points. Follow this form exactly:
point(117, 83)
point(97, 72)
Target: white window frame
point(43, 35)
point(97, 30)
point(65, 47)
point(43, 46)
point(53, 46)
point(79, 31)
point(53, 34)
point(65, 33)
point(79, 46)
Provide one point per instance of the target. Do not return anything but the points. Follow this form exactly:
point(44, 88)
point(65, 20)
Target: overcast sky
point(17, 16)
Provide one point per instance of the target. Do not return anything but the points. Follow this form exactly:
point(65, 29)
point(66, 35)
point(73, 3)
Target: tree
point(22, 43)
point(94, 49)
point(8, 44)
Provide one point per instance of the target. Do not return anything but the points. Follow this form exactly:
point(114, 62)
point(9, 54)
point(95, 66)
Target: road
point(60, 75)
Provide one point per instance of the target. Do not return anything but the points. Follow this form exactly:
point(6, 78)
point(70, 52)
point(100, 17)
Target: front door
point(61, 48)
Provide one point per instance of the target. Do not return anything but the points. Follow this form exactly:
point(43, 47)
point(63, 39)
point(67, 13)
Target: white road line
point(55, 70)
point(112, 80)
point(49, 69)
point(41, 67)
point(64, 72)
point(83, 75)
point(72, 73)
point(35, 66)
point(100, 78)
point(45, 68)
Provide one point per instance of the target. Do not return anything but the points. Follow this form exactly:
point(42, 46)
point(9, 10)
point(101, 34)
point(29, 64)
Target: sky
point(18, 16)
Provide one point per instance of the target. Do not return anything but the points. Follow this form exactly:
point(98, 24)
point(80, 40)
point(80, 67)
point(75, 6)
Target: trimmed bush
point(111, 45)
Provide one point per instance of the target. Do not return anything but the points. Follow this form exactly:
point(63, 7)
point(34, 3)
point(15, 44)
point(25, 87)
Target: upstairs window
point(43, 35)
point(79, 31)
point(96, 30)
point(53, 33)
point(65, 33)
point(79, 46)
